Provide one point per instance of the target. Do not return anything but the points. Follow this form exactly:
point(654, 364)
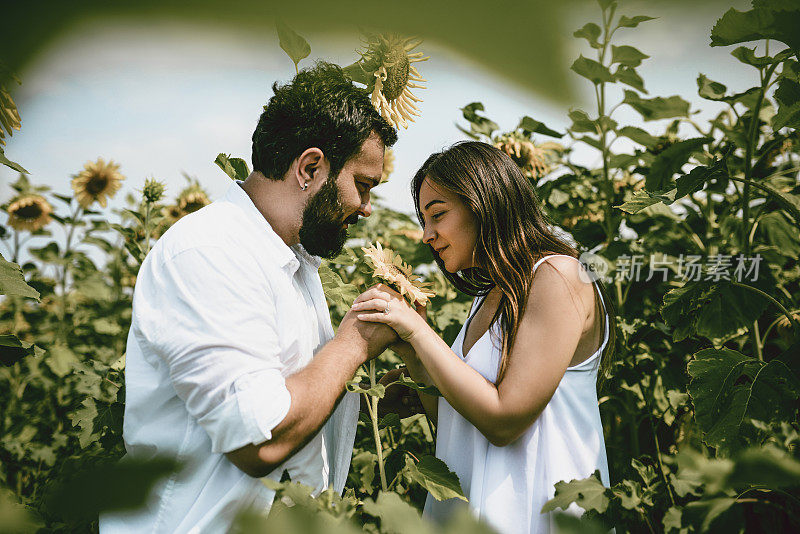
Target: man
point(232, 365)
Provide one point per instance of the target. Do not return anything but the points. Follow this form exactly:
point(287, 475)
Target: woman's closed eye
point(436, 215)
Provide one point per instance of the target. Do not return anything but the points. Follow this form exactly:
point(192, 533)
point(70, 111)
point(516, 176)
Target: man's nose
point(366, 209)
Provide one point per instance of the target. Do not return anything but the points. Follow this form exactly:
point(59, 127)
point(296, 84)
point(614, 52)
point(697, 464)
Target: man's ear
point(311, 167)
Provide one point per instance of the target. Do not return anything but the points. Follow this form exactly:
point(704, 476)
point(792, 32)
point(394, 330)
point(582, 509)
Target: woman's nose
point(427, 235)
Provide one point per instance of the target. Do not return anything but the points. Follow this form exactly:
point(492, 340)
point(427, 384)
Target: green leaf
point(433, 474)
point(727, 387)
point(764, 466)
point(592, 70)
point(670, 161)
point(739, 27)
point(787, 201)
point(378, 390)
point(591, 32)
point(409, 382)
point(478, 124)
point(748, 56)
point(657, 108)
point(632, 22)
point(335, 289)
point(588, 493)
point(530, 125)
point(709, 89)
point(12, 164)
point(295, 46)
point(12, 349)
point(640, 200)
point(124, 485)
point(581, 122)
point(396, 516)
point(697, 178)
point(627, 55)
point(714, 310)
point(780, 233)
point(362, 468)
point(629, 77)
point(638, 135)
point(788, 97)
point(12, 282)
point(236, 168)
point(704, 512)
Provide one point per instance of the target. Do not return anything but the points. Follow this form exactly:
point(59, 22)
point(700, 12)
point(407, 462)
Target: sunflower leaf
point(12, 164)
point(295, 46)
point(12, 282)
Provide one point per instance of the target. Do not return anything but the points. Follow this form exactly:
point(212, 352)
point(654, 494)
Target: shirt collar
point(288, 258)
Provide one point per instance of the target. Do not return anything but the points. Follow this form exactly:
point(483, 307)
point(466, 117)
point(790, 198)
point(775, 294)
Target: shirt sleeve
point(208, 316)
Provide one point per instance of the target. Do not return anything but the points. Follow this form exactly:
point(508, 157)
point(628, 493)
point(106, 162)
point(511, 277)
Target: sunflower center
point(29, 212)
point(97, 185)
point(398, 68)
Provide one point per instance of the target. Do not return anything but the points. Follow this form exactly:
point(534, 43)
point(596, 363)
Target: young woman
point(519, 410)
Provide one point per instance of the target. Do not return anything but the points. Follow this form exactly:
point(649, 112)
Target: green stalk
point(372, 404)
point(65, 270)
point(769, 297)
point(752, 138)
point(147, 228)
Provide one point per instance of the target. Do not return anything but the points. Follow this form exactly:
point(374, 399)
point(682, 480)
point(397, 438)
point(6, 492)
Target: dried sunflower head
point(98, 181)
point(388, 61)
point(535, 160)
point(29, 212)
point(391, 269)
point(192, 199)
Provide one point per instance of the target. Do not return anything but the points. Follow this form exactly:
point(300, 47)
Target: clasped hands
point(407, 322)
point(372, 305)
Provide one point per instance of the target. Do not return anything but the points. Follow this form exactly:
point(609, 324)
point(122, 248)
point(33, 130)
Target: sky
point(163, 99)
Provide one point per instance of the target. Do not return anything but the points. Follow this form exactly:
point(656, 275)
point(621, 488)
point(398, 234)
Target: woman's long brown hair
point(513, 233)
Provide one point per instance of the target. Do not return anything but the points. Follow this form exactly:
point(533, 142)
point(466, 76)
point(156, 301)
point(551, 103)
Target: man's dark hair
point(320, 108)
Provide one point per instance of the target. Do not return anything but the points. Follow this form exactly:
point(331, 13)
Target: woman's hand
point(371, 306)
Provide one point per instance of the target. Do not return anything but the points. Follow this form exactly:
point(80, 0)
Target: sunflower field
point(696, 237)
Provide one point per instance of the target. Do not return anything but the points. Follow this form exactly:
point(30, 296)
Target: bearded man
point(233, 368)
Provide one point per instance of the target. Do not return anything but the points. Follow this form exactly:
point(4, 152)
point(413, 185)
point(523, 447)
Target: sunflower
point(387, 62)
point(388, 165)
point(535, 160)
point(172, 213)
point(192, 199)
point(29, 212)
point(391, 268)
point(784, 325)
point(96, 182)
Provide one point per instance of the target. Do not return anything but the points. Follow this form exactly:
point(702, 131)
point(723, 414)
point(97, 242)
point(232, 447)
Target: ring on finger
point(386, 310)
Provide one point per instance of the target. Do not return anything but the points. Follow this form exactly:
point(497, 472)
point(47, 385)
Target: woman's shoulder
point(558, 275)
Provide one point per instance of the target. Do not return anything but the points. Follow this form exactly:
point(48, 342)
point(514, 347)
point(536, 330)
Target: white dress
point(507, 486)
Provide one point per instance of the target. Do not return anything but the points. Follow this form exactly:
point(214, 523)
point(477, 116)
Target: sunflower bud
point(153, 190)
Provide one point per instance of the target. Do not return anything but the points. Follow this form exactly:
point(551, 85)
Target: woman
point(519, 413)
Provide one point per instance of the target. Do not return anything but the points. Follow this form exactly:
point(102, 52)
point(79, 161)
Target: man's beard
point(322, 232)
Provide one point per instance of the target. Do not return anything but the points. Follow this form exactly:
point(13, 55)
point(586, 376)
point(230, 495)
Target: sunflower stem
point(373, 414)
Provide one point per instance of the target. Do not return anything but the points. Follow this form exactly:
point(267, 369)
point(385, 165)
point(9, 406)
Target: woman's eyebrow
point(429, 204)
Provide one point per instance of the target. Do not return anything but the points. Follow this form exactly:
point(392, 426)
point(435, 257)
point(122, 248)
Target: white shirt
point(223, 312)
point(507, 486)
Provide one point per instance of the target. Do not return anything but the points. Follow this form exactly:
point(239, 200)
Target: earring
point(305, 186)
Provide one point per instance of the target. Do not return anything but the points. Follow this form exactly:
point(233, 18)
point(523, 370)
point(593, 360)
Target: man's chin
point(329, 248)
